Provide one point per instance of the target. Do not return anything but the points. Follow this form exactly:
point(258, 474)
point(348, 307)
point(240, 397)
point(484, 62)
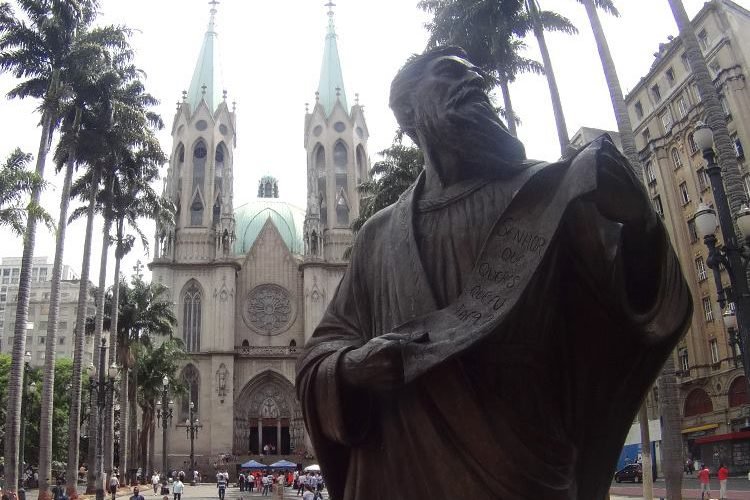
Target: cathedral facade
point(251, 280)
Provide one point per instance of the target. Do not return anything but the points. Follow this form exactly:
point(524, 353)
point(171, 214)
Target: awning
point(699, 428)
point(283, 464)
point(252, 464)
point(732, 436)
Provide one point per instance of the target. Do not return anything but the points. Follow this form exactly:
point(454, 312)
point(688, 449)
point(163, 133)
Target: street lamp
point(24, 411)
point(102, 382)
point(191, 429)
point(164, 410)
point(732, 255)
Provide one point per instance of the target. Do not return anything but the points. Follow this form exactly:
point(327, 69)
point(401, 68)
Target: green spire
point(331, 84)
point(205, 83)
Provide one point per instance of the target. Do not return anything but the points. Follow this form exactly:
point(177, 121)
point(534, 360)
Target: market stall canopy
point(283, 464)
point(312, 468)
point(252, 464)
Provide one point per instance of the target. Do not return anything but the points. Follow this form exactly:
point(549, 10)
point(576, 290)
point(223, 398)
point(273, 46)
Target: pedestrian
point(266, 482)
point(155, 482)
point(177, 488)
point(137, 495)
point(703, 476)
point(723, 476)
point(241, 481)
point(308, 495)
point(301, 484)
point(114, 483)
point(58, 491)
point(221, 484)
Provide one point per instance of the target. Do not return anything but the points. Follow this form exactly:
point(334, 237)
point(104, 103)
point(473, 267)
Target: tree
point(399, 168)
point(491, 32)
point(39, 49)
point(16, 183)
point(152, 364)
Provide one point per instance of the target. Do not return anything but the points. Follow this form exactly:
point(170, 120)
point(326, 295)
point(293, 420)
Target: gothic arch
point(697, 403)
point(191, 299)
point(361, 164)
point(266, 412)
point(340, 157)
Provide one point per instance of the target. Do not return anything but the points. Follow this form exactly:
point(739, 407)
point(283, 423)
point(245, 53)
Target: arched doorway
point(267, 418)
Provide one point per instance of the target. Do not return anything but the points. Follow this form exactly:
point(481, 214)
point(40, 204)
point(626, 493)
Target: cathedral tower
point(337, 160)
point(194, 257)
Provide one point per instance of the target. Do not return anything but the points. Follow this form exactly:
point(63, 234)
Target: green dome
point(251, 217)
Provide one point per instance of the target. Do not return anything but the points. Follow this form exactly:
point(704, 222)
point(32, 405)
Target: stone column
point(278, 436)
point(260, 436)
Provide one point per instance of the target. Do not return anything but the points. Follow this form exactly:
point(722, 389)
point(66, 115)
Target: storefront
point(731, 449)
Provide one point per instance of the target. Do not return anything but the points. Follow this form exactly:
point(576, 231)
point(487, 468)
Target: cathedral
point(251, 278)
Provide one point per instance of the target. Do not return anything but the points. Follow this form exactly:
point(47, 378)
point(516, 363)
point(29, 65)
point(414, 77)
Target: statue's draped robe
point(537, 409)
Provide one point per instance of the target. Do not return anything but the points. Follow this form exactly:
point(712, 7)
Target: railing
point(267, 351)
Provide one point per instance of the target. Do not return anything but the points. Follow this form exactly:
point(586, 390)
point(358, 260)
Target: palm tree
point(38, 48)
point(541, 21)
point(16, 182)
point(714, 116)
point(133, 198)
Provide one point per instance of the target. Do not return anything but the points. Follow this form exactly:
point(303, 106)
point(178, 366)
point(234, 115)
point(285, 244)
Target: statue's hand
point(377, 365)
point(620, 196)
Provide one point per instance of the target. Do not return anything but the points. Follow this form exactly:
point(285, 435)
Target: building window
point(703, 181)
point(684, 361)
point(685, 61)
point(61, 340)
point(638, 110)
point(666, 121)
point(676, 160)
point(691, 144)
point(708, 309)
point(697, 93)
point(746, 181)
point(738, 149)
point(700, 267)
point(692, 231)
point(191, 379)
point(43, 274)
point(714, 67)
point(670, 77)
point(650, 175)
point(682, 105)
point(725, 106)
point(714, 345)
point(192, 317)
point(738, 392)
point(646, 137)
point(684, 193)
point(658, 206)
point(42, 340)
point(703, 39)
point(656, 93)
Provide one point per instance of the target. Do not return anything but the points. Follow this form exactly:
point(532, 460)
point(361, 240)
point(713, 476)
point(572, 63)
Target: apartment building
point(664, 108)
point(36, 325)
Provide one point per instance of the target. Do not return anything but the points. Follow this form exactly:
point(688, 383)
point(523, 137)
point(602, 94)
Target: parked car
point(631, 472)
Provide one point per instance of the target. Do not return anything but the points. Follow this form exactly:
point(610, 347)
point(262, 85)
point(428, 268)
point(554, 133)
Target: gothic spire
point(331, 85)
point(205, 83)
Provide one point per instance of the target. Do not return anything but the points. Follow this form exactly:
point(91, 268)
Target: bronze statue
point(499, 325)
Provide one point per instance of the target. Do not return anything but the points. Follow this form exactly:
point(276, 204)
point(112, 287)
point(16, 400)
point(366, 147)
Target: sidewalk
point(630, 492)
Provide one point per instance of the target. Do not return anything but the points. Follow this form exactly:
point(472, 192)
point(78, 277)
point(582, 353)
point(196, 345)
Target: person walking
point(703, 477)
point(114, 484)
point(221, 484)
point(177, 488)
point(155, 482)
point(723, 476)
point(136, 494)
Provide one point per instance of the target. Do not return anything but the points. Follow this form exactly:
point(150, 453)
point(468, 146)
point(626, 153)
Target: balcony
point(267, 351)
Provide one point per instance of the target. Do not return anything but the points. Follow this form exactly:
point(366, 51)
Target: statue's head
point(440, 97)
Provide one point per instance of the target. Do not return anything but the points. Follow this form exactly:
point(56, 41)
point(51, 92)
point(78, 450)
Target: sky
point(271, 54)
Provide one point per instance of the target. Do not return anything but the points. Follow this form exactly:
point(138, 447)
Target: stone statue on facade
point(499, 325)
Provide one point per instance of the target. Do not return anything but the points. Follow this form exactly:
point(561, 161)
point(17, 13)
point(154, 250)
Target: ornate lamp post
point(24, 411)
point(102, 382)
point(732, 255)
point(191, 429)
point(164, 410)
